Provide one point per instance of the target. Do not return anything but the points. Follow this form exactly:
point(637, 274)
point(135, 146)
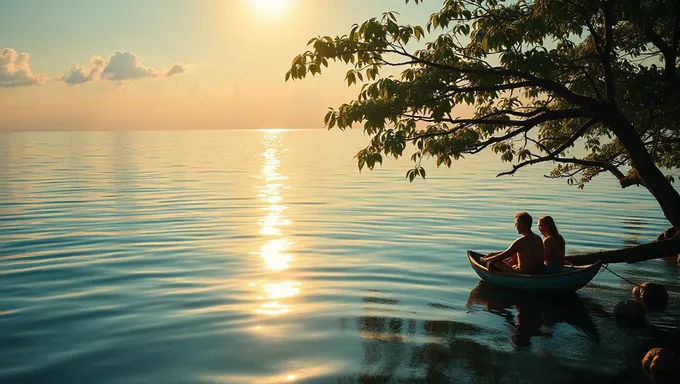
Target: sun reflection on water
point(273, 254)
point(274, 250)
point(281, 290)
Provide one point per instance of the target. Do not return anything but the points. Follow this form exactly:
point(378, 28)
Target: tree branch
point(603, 51)
point(579, 132)
point(592, 84)
point(608, 28)
point(550, 85)
point(471, 121)
point(591, 163)
point(593, 34)
point(483, 88)
point(653, 250)
point(532, 122)
point(669, 53)
point(607, 51)
point(526, 125)
point(631, 180)
point(676, 32)
point(482, 145)
point(565, 175)
point(523, 164)
point(499, 87)
point(531, 113)
point(552, 155)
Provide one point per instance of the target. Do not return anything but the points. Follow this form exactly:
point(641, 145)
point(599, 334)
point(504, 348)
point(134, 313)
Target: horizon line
point(162, 130)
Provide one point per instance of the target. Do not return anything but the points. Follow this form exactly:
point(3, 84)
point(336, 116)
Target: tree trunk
point(662, 190)
point(655, 250)
point(667, 244)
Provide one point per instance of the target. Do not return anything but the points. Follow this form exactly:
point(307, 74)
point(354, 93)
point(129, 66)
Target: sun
point(270, 7)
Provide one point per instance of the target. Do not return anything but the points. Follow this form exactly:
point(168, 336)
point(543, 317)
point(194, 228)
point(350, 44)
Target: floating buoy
point(630, 311)
point(661, 365)
point(651, 295)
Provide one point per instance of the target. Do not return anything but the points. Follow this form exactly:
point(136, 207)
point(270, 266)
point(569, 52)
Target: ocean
point(267, 257)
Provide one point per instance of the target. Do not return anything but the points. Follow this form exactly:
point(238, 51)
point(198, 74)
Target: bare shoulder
point(555, 241)
point(537, 239)
point(518, 243)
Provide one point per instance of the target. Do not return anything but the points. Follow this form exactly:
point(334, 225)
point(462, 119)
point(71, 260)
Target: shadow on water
point(467, 349)
point(633, 232)
point(534, 312)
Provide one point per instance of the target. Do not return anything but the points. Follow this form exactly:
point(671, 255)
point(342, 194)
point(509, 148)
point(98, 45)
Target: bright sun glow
point(270, 7)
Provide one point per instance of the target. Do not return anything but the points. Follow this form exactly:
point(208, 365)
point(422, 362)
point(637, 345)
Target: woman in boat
point(553, 245)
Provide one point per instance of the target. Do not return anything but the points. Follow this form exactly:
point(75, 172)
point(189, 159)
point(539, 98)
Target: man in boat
point(527, 250)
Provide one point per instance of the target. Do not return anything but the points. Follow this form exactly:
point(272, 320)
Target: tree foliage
point(541, 76)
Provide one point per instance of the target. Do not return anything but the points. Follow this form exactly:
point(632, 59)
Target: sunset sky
point(173, 64)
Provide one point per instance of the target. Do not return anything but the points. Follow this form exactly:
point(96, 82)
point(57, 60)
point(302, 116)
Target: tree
point(541, 75)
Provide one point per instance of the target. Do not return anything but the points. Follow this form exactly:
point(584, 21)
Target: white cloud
point(79, 74)
point(126, 66)
point(176, 69)
point(120, 66)
point(15, 70)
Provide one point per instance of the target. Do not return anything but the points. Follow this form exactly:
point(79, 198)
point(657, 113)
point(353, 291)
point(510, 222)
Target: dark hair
point(550, 224)
point(524, 218)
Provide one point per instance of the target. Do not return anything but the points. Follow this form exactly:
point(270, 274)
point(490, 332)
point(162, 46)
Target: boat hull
point(570, 279)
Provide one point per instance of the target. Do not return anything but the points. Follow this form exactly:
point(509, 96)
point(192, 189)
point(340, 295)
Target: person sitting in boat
point(553, 245)
point(527, 250)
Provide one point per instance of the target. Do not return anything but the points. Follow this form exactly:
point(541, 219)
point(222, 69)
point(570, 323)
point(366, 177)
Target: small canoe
point(570, 279)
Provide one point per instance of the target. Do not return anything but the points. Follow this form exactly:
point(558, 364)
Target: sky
point(173, 64)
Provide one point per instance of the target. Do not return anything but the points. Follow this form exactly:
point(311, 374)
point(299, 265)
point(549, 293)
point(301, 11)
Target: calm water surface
point(266, 257)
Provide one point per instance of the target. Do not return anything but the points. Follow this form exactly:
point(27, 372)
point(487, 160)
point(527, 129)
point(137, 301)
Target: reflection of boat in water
point(570, 279)
point(534, 311)
point(444, 348)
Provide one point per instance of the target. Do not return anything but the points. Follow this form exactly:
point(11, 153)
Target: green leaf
point(351, 77)
point(419, 32)
point(484, 46)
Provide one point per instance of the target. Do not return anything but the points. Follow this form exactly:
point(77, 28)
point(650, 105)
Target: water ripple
point(135, 257)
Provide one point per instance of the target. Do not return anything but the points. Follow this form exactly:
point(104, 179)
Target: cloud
point(79, 74)
point(15, 70)
point(176, 69)
point(121, 66)
point(126, 66)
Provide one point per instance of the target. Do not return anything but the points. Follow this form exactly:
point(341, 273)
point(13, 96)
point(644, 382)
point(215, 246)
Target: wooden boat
point(571, 278)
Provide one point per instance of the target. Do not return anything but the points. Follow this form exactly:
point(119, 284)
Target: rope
point(619, 276)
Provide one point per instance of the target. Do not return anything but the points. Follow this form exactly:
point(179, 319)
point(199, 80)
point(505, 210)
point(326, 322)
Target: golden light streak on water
point(274, 249)
point(282, 290)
